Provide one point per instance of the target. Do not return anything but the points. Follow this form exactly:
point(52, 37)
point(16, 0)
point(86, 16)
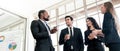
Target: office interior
point(18, 14)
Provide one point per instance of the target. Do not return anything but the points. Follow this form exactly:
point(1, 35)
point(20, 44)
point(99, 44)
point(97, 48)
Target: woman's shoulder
point(108, 15)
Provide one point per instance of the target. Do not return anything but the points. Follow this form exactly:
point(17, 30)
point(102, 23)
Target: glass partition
point(12, 31)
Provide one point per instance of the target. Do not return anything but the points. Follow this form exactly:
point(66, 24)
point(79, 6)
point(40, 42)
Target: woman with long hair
point(93, 41)
point(110, 27)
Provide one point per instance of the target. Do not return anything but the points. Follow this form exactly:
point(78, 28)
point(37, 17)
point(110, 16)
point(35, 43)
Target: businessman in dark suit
point(41, 32)
point(71, 37)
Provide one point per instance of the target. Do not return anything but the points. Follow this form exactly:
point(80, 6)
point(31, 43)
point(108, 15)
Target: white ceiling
point(26, 8)
point(7, 18)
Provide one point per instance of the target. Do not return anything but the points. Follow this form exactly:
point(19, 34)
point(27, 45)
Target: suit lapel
point(67, 31)
point(41, 23)
point(48, 26)
point(74, 31)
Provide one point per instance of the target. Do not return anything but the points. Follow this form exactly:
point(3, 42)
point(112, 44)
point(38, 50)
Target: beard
point(46, 19)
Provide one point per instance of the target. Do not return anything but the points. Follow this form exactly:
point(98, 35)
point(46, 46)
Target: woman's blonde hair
point(109, 8)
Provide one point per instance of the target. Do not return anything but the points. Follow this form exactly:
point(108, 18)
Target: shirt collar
point(71, 27)
point(42, 20)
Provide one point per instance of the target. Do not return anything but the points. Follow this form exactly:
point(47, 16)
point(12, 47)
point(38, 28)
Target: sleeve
point(86, 38)
point(61, 38)
point(36, 32)
point(100, 37)
point(107, 23)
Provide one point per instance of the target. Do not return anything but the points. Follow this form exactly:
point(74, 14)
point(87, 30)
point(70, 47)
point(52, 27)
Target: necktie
point(71, 32)
point(47, 25)
point(48, 29)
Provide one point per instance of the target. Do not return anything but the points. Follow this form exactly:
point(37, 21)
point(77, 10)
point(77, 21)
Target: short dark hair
point(69, 17)
point(39, 13)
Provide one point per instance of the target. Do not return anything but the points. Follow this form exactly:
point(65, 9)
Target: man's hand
point(67, 37)
point(54, 30)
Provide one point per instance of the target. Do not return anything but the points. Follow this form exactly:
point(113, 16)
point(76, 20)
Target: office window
point(91, 9)
point(63, 16)
point(52, 20)
point(60, 28)
point(52, 13)
point(101, 18)
point(70, 13)
point(70, 7)
point(90, 1)
point(79, 3)
point(118, 14)
point(81, 23)
point(80, 13)
point(74, 23)
point(96, 18)
point(61, 10)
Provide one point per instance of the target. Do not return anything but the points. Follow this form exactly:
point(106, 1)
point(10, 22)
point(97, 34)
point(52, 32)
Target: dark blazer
point(76, 41)
point(40, 33)
point(95, 44)
point(109, 29)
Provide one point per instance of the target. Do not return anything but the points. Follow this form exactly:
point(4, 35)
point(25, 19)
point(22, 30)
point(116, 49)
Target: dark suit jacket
point(95, 44)
point(40, 33)
point(76, 41)
point(94, 41)
point(109, 29)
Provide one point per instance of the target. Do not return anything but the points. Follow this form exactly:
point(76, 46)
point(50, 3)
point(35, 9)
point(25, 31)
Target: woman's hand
point(98, 33)
point(91, 36)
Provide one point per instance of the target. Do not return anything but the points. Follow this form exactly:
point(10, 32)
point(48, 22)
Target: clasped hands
point(94, 34)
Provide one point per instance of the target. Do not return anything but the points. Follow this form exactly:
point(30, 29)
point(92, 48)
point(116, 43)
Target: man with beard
point(41, 32)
